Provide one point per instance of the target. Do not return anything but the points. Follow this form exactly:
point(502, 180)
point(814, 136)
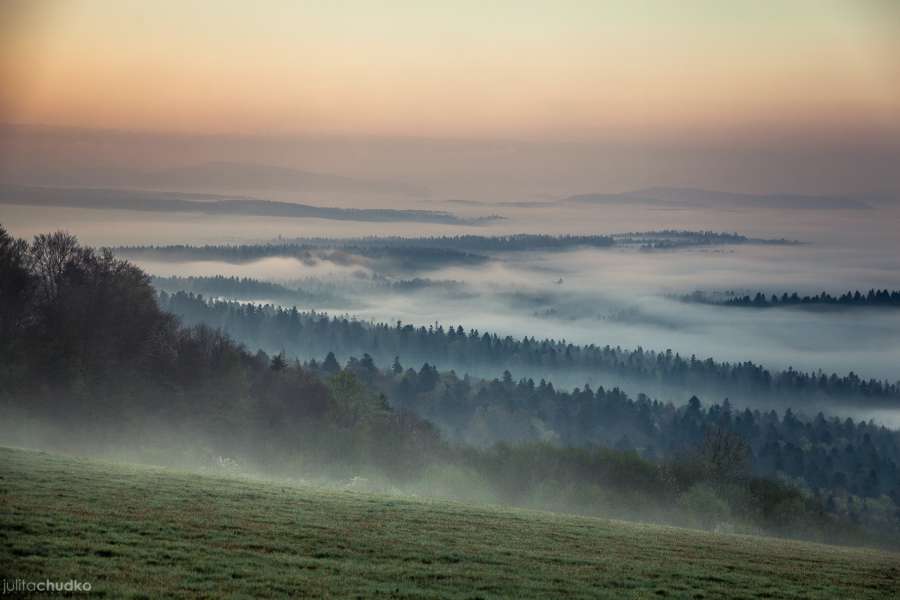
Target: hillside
point(153, 532)
point(212, 205)
point(90, 362)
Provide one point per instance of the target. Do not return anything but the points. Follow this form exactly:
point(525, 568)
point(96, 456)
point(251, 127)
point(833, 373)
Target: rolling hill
point(211, 204)
point(141, 531)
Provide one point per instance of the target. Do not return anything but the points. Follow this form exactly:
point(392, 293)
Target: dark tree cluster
point(239, 288)
point(310, 334)
point(673, 239)
point(532, 435)
point(707, 236)
point(826, 455)
point(872, 298)
point(525, 242)
point(85, 346)
point(87, 352)
point(309, 291)
point(408, 258)
point(431, 251)
point(475, 243)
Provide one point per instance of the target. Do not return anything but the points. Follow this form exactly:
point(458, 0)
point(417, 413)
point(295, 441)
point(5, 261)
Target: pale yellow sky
point(563, 69)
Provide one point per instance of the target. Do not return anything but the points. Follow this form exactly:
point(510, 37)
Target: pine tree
point(330, 365)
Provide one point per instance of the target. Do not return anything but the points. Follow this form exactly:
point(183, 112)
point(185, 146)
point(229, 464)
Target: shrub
point(703, 507)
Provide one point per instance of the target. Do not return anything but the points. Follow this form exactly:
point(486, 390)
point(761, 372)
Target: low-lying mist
point(97, 362)
point(600, 296)
point(597, 483)
point(274, 269)
point(628, 298)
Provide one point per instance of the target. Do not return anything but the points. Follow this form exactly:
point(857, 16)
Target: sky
point(754, 76)
point(522, 69)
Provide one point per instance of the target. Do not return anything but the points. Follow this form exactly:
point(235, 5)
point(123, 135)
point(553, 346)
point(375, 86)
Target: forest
point(307, 291)
point(465, 300)
point(91, 360)
point(388, 259)
point(242, 288)
point(850, 299)
point(671, 239)
point(311, 334)
point(470, 243)
point(435, 251)
point(826, 455)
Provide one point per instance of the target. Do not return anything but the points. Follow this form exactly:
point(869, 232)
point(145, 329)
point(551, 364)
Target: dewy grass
point(134, 531)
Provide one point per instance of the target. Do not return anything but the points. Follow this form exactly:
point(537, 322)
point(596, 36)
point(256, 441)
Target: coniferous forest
point(312, 334)
point(465, 300)
point(90, 348)
point(872, 298)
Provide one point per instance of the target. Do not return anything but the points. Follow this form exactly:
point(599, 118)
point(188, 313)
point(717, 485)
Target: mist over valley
point(450, 300)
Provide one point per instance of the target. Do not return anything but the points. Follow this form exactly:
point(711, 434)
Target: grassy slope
point(140, 530)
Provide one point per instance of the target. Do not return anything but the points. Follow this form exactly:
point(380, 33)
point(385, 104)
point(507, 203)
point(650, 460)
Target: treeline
point(407, 258)
point(88, 359)
point(872, 298)
point(836, 458)
point(701, 236)
point(470, 243)
point(672, 239)
point(849, 468)
point(311, 334)
point(91, 360)
point(239, 288)
point(459, 249)
point(307, 291)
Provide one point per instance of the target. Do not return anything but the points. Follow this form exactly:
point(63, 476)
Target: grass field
point(147, 532)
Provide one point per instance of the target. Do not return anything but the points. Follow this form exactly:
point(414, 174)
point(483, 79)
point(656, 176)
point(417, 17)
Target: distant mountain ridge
point(694, 197)
point(139, 200)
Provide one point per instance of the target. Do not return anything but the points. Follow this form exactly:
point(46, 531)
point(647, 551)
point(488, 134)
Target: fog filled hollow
point(628, 298)
point(336, 415)
point(620, 297)
point(450, 299)
point(276, 269)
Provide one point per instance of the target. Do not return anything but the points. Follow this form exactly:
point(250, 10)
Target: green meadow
point(147, 532)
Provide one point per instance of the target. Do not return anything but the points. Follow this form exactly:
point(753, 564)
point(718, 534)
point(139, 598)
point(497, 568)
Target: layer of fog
point(864, 231)
point(520, 295)
point(276, 269)
point(178, 449)
point(626, 298)
point(616, 297)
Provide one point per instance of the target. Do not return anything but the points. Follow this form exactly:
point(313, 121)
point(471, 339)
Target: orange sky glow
point(646, 70)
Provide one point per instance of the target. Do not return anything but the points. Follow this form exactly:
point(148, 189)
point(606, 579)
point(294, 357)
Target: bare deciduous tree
point(725, 455)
